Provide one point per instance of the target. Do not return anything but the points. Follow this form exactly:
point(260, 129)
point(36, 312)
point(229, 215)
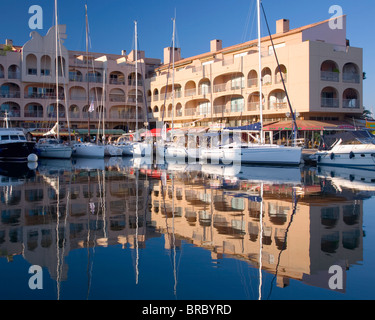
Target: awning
point(156, 132)
point(308, 125)
point(249, 127)
point(95, 131)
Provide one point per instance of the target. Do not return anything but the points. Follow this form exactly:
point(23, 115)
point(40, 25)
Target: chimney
point(123, 52)
point(282, 26)
point(216, 45)
point(168, 58)
point(9, 42)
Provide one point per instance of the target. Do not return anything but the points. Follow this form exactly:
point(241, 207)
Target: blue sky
point(197, 22)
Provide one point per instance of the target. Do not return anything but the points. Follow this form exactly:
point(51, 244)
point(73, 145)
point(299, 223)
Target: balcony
point(351, 78)
point(190, 112)
point(74, 115)
point(75, 78)
point(329, 76)
point(117, 81)
point(117, 98)
point(34, 114)
point(11, 94)
point(14, 75)
point(276, 106)
point(252, 82)
point(330, 102)
point(221, 109)
point(253, 106)
point(43, 96)
point(350, 103)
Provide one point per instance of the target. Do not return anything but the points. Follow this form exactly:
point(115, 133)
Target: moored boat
point(14, 145)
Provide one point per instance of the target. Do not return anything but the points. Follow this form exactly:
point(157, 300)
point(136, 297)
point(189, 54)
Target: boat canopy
point(350, 137)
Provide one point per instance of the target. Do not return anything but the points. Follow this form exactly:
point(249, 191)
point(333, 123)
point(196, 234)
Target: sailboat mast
point(57, 71)
point(260, 76)
point(87, 71)
point(173, 48)
point(136, 78)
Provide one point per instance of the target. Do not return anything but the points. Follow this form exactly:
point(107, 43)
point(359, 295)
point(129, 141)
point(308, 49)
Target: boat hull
point(16, 151)
point(361, 156)
point(88, 150)
point(112, 151)
point(54, 152)
point(257, 154)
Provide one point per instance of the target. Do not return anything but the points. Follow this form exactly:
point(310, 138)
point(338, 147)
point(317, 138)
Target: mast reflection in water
point(115, 229)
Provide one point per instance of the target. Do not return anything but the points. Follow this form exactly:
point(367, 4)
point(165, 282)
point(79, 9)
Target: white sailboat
point(88, 149)
point(53, 147)
point(125, 143)
point(255, 153)
point(110, 150)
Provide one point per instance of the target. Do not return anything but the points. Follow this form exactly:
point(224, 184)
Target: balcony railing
point(329, 76)
point(14, 75)
point(116, 98)
point(351, 78)
point(125, 115)
point(14, 94)
point(330, 103)
point(190, 112)
point(33, 114)
point(253, 106)
point(220, 87)
point(11, 114)
point(116, 81)
point(190, 92)
point(79, 98)
point(350, 103)
point(74, 115)
point(43, 96)
point(76, 78)
point(278, 78)
point(221, 109)
point(274, 106)
point(252, 82)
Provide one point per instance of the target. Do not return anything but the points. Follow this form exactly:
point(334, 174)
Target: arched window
point(329, 71)
point(31, 65)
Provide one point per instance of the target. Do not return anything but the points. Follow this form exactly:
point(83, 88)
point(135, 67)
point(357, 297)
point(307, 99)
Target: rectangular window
point(45, 72)
point(32, 71)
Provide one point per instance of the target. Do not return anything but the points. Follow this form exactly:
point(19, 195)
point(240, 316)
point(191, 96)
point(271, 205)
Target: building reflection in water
point(295, 228)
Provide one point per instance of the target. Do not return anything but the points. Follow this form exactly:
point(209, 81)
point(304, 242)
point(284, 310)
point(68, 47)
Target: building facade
point(320, 73)
point(29, 94)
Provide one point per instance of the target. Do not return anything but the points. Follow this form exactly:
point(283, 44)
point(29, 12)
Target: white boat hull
point(54, 152)
point(362, 156)
point(112, 151)
point(88, 150)
point(254, 154)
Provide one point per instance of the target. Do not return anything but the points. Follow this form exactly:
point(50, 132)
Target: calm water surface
point(117, 229)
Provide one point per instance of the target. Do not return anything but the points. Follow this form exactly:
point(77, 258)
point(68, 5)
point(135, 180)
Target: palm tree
point(366, 114)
